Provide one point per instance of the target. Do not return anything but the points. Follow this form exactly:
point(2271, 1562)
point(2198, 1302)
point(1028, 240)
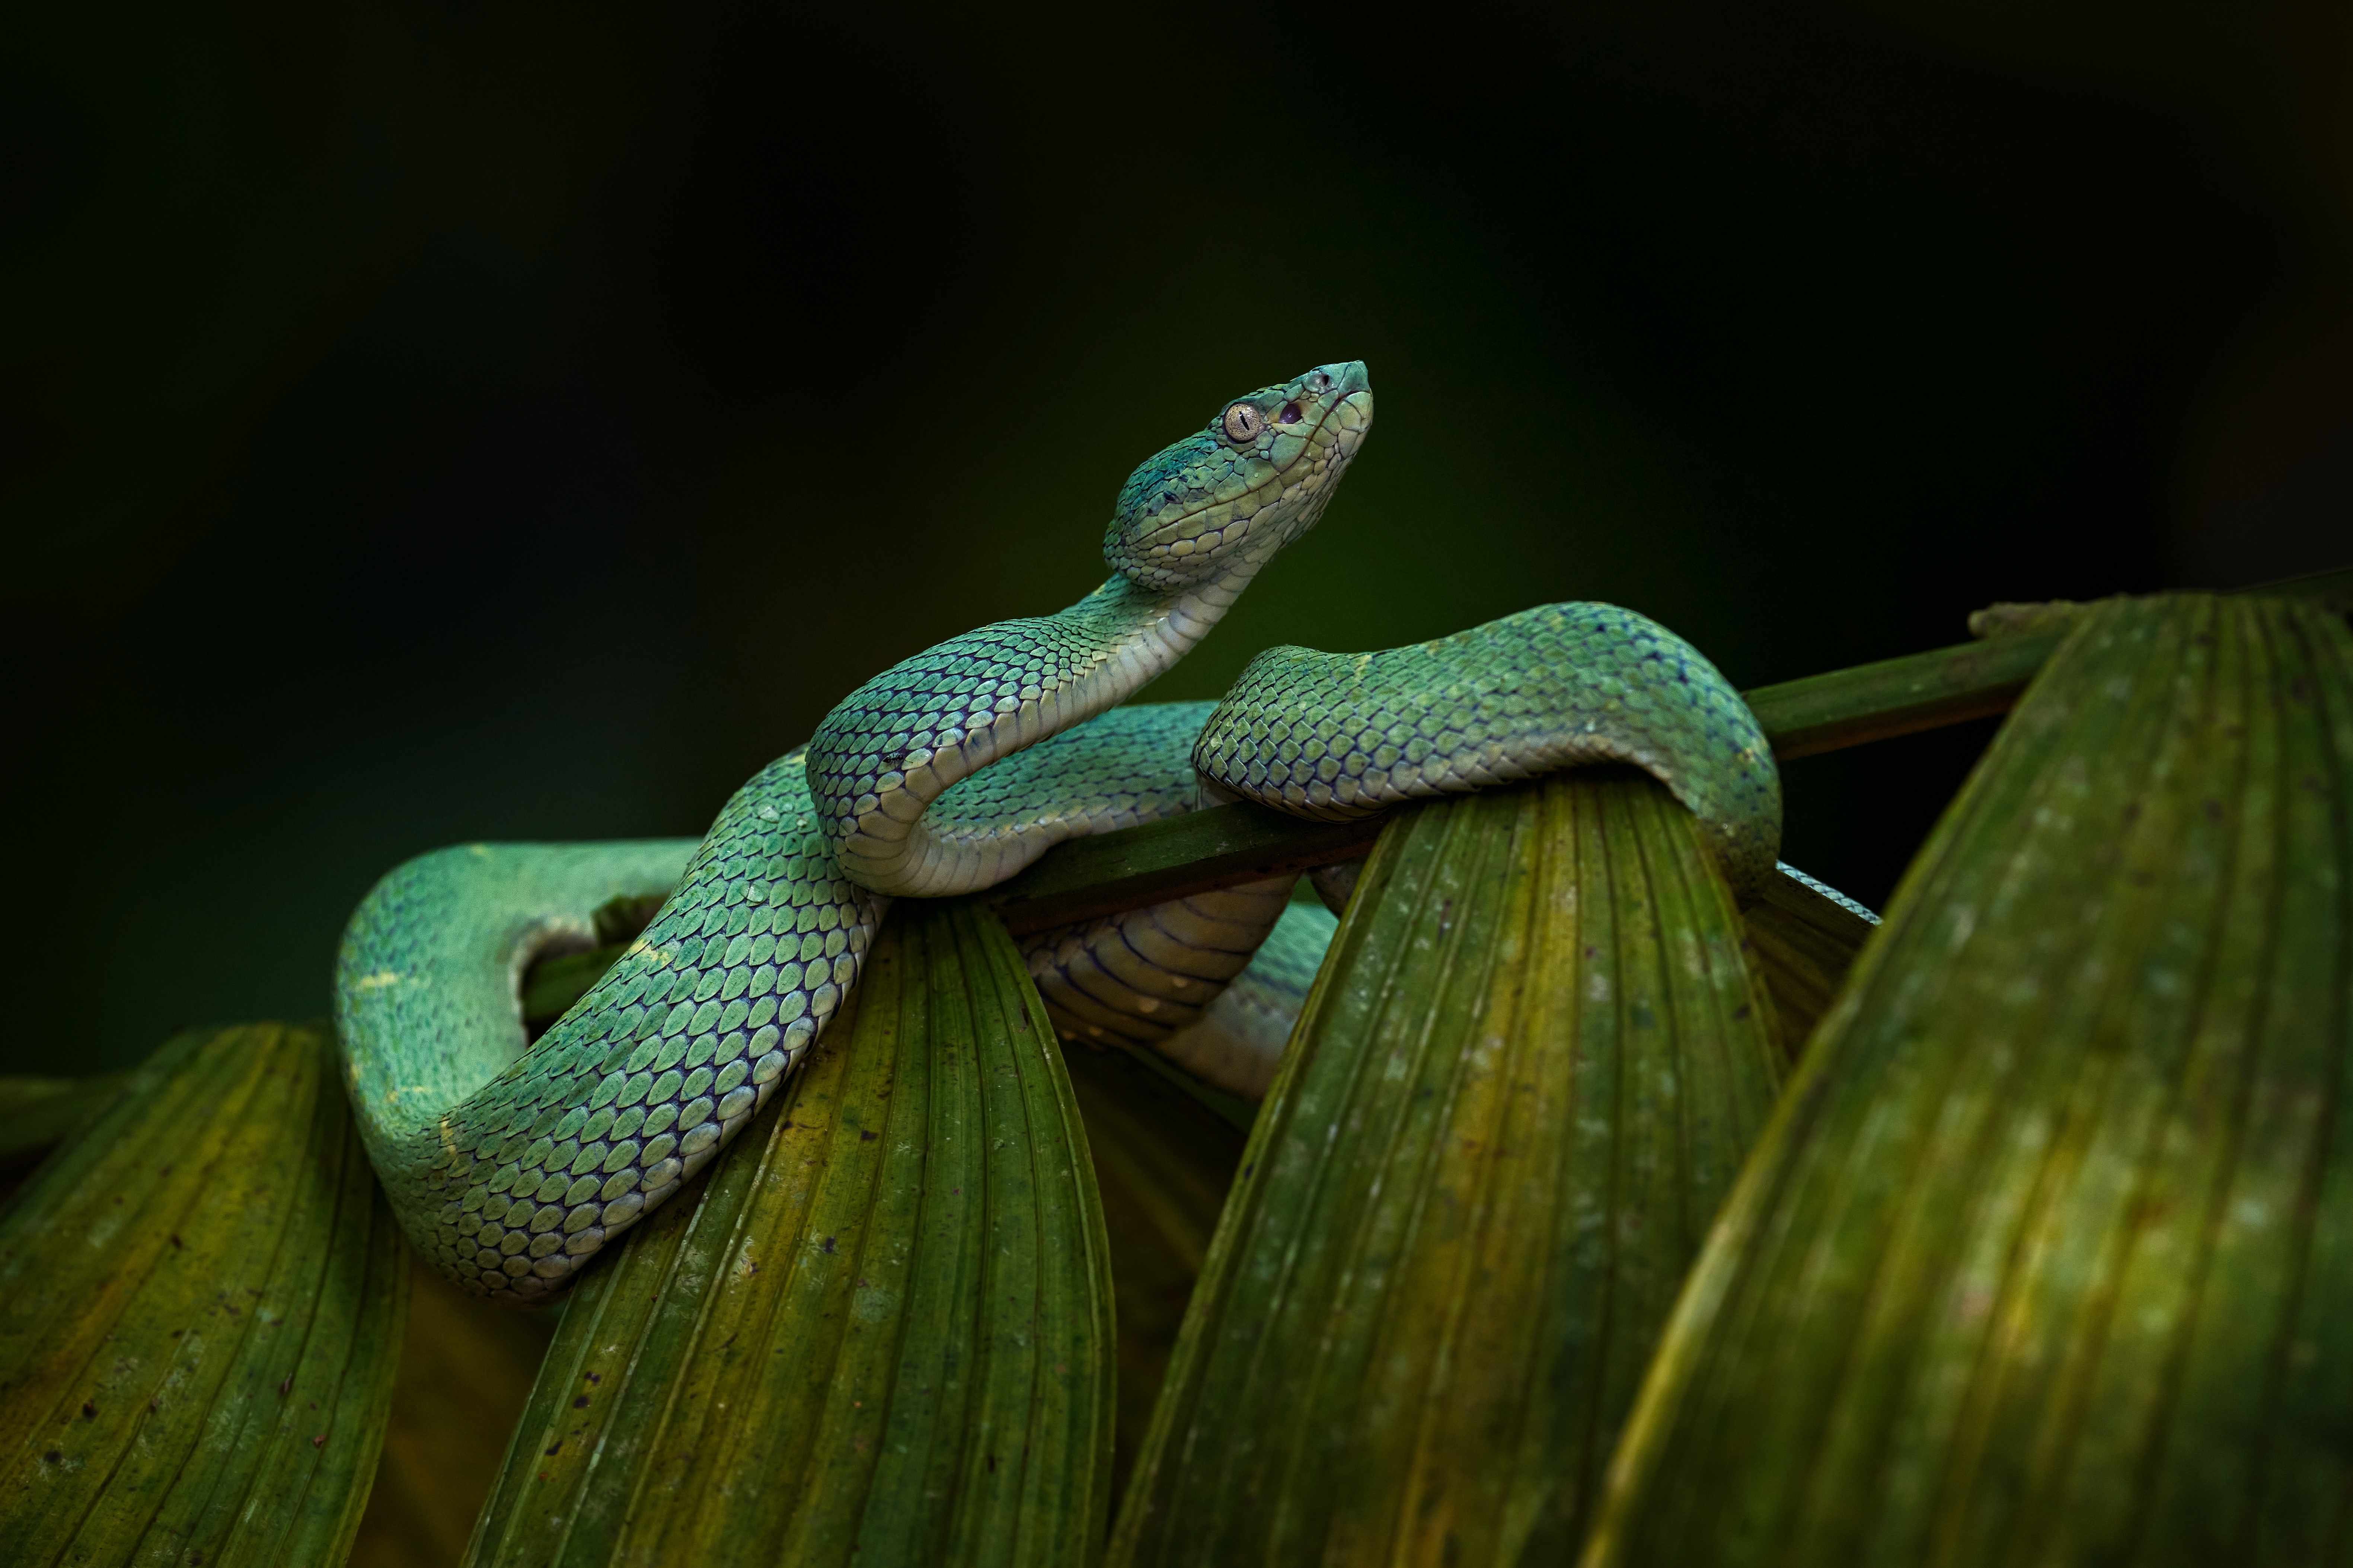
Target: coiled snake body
point(511, 1166)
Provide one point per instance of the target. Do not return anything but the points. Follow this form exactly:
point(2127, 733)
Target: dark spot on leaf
point(319, 1441)
point(1741, 1011)
point(286, 1387)
point(88, 1410)
point(178, 1244)
point(865, 1137)
point(52, 1458)
point(828, 1244)
point(557, 1443)
point(581, 1403)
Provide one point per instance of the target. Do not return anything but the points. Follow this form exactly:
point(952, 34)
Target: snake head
point(1255, 478)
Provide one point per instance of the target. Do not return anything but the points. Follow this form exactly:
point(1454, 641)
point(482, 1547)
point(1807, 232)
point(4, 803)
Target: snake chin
point(1255, 477)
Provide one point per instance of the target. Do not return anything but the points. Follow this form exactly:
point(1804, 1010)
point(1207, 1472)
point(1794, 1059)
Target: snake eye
point(1243, 422)
point(1290, 415)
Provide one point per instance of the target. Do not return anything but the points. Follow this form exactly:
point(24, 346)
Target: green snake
point(511, 1163)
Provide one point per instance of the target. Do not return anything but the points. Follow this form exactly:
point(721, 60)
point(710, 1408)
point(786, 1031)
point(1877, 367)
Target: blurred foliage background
point(428, 423)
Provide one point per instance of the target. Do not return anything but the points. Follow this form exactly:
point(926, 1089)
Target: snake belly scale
point(512, 1164)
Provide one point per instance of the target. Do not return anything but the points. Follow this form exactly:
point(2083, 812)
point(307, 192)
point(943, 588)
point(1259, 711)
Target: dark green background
point(426, 423)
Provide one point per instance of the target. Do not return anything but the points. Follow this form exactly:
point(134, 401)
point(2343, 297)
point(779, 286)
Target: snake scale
point(509, 1165)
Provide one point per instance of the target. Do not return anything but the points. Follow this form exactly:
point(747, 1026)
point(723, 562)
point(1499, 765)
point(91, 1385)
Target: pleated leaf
point(880, 1331)
point(1527, 1073)
point(2048, 1257)
point(201, 1300)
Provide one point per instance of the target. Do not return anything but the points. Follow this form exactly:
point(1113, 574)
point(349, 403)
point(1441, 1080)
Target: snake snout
point(1347, 377)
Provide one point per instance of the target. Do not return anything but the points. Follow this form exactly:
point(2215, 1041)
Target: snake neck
point(894, 745)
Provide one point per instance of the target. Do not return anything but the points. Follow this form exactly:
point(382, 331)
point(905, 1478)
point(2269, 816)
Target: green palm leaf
point(881, 1331)
point(201, 1300)
point(1528, 1072)
point(2048, 1255)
